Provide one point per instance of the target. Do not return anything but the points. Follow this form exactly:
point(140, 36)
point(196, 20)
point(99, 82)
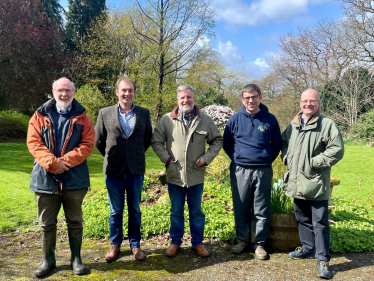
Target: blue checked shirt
point(127, 120)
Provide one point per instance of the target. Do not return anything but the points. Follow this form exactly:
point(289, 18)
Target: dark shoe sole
point(202, 256)
point(116, 258)
point(306, 258)
point(311, 257)
point(323, 276)
point(172, 256)
point(239, 252)
point(140, 259)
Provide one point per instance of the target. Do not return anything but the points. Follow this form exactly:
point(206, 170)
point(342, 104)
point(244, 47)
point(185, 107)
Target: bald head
point(63, 91)
point(309, 102)
point(310, 92)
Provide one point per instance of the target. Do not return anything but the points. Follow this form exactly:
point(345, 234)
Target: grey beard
point(192, 107)
point(64, 105)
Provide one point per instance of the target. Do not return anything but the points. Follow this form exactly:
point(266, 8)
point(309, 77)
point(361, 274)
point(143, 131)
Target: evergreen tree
point(79, 17)
point(55, 11)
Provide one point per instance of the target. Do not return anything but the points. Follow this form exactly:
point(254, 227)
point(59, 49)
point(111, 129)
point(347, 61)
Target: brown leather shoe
point(113, 253)
point(138, 254)
point(172, 251)
point(201, 251)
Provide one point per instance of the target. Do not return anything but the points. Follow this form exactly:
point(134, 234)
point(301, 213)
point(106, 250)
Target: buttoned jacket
point(116, 147)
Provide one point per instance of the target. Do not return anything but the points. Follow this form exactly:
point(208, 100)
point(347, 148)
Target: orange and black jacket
point(77, 146)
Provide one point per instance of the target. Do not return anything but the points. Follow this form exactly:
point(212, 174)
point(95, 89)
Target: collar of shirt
point(62, 111)
point(131, 111)
point(127, 120)
point(303, 121)
point(187, 117)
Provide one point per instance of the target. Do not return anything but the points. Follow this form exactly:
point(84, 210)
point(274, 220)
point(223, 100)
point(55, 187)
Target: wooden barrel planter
point(283, 234)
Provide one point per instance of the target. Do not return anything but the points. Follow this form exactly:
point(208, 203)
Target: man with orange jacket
point(60, 137)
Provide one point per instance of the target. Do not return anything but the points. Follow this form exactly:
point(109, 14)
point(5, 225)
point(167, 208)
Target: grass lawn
point(18, 207)
point(356, 175)
point(17, 204)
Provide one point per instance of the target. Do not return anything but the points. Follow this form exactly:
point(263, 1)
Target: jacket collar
point(297, 119)
point(76, 107)
point(175, 112)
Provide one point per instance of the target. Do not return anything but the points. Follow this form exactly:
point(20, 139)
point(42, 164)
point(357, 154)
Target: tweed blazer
point(118, 149)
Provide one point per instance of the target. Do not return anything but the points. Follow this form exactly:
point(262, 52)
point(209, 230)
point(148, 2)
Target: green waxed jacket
point(185, 145)
point(309, 153)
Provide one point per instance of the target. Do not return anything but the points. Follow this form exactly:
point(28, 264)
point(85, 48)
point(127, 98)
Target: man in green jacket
point(311, 145)
point(185, 131)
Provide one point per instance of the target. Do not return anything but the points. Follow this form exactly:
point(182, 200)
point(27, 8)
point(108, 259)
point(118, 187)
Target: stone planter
point(283, 233)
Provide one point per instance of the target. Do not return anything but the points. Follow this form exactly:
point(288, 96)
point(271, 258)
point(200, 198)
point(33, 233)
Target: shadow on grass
point(342, 215)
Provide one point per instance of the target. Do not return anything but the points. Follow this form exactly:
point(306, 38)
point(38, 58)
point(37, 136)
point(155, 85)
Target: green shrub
point(353, 230)
point(220, 166)
point(13, 124)
point(93, 100)
point(363, 129)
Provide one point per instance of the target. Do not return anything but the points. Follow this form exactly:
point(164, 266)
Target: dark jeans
point(116, 188)
point(49, 206)
point(251, 187)
point(177, 196)
point(313, 223)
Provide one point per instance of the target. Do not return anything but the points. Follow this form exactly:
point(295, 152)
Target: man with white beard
point(60, 137)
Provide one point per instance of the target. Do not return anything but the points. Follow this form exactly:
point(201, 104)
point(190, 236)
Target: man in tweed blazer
point(123, 135)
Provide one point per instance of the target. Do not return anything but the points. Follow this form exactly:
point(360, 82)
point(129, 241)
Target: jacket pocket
point(199, 137)
point(42, 180)
point(311, 186)
point(173, 171)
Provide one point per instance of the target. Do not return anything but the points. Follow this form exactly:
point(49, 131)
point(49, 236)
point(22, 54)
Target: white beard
point(64, 105)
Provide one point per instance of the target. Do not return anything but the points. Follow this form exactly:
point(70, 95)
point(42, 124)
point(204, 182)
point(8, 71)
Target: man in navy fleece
point(252, 140)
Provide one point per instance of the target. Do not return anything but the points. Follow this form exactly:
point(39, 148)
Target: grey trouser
point(314, 229)
point(251, 187)
point(49, 206)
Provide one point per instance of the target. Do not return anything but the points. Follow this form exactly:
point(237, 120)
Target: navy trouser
point(313, 223)
point(251, 187)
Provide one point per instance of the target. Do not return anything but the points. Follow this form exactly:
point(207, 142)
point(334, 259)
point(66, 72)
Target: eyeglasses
point(251, 97)
point(61, 91)
point(310, 101)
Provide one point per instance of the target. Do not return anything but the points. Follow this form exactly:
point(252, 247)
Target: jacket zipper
point(73, 120)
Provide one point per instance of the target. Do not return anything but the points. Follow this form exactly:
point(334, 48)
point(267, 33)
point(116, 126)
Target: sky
point(248, 32)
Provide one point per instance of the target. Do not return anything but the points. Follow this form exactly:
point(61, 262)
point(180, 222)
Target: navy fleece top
point(252, 141)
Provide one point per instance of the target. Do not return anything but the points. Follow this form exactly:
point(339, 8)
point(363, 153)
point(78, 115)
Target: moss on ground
point(21, 254)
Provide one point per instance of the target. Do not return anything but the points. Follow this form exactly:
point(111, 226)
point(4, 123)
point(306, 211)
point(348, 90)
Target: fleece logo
point(262, 128)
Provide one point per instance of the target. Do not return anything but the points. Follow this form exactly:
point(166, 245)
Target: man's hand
point(61, 167)
point(200, 161)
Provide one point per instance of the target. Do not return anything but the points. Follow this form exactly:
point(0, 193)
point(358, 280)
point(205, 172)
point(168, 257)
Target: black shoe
point(300, 253)
point(324, 270)
point(240, 247)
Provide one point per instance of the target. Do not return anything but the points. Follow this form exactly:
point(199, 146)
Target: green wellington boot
point(49, 259)
point(75, 242)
